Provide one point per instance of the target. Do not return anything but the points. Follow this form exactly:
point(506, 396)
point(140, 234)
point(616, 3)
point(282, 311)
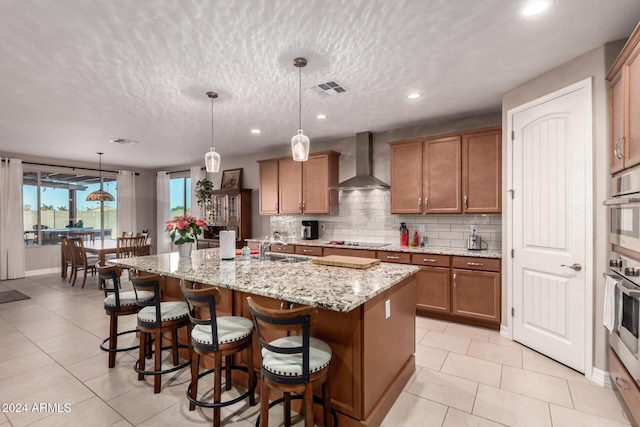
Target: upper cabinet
point(624, 108)
point(290, 187)
point(232, 211)
point(456, 173)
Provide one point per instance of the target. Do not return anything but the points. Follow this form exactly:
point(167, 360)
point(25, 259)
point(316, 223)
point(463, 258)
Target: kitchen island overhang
point(367, 316)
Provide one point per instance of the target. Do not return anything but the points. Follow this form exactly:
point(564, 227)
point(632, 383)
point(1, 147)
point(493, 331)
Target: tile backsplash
point(364, 217)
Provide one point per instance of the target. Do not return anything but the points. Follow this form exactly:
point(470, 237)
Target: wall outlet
point(387, 309)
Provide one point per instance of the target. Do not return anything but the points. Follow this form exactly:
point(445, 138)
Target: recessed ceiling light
point(414, 95)
point(255, 130)
point(321, 116)
point(535, 7)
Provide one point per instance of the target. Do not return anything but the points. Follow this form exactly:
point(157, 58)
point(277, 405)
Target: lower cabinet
point(433, 289)
point(625, 386)
point(475, 294)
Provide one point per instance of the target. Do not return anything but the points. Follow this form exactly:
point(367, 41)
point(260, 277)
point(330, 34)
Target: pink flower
point(184, 228)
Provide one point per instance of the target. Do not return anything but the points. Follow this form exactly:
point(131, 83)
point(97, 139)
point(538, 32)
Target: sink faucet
point(265, 245)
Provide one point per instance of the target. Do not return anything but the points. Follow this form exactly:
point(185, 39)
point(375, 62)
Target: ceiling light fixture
point(300, 142)
point(321, 116)
point(536, 7)
point(100, 195)
point(255, 131)
point(414, 95)
point(212, 159)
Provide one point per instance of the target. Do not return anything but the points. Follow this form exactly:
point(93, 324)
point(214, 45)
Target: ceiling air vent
point(329, 88)
point(124, 141)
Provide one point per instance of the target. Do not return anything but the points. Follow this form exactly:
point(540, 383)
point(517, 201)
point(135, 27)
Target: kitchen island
point(367, 316)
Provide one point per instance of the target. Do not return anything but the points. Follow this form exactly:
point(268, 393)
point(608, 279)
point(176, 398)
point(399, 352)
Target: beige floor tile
point(479, 334)
point(410, 411)
point(499, 339)
point(412, 378)
point(511, 409)
point(16, 387)
point(121, 423)
point(420, 333)
point(496, 353)
point(75, 353)
point(596, 401)
point(445, 389)
point(19, 349)
point(472, 369)
point(457, 418)
point(97, 365)
point(179, 414)
point(114, 382)
point(536, 385)
point(93, 409)
point(446, 342)
point(534, 361)
point(565, 417)
point(431, 324)
point(24, 364)
point(429, 357)
point(140, 404)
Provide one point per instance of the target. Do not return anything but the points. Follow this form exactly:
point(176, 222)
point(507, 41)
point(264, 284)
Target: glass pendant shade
point(300, 147)
point(100, 195)
point(212, 161)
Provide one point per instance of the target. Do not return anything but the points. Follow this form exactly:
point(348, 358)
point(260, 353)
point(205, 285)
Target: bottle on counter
point(246, 252)
point(415, 240)
point(404, 235)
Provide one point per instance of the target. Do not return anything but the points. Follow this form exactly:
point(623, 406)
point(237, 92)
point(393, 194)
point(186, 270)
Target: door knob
point(575, 266)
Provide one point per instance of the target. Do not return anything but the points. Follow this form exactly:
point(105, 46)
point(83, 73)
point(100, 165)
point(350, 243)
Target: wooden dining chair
point(67, 257)
point(80, 260)
point(128, 247)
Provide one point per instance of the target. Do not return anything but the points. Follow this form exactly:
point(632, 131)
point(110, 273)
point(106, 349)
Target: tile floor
point(49, 353)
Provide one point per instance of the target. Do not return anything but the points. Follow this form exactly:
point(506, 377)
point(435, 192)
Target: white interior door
point(551, 223)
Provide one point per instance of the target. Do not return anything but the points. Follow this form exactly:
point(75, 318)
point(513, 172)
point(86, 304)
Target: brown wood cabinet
point(624, 94)
point(232, 211)
point(625, 385)
point(290, 187)
point(475, 292)
point(362, 253)
point(453, 173)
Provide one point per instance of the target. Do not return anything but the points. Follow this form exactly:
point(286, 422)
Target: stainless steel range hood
point(364, 161)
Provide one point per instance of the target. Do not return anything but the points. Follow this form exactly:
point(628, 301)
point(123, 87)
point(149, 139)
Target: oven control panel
point(625, 266)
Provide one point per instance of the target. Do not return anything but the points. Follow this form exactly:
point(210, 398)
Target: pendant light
point(300, 142)
point(212, 159)
point(100, 195)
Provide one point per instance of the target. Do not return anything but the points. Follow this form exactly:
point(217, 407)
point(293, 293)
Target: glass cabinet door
point(232, 207)
point(219, 208)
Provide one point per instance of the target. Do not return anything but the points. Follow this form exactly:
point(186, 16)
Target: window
point(180, 195)
point(54, 203)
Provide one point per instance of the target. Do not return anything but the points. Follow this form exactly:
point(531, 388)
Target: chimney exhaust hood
point(364, 161)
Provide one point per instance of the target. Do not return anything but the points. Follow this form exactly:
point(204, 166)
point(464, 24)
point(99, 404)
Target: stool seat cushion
point(128, 298)
point(230, 329)
point(170, 310)
point(291, 364)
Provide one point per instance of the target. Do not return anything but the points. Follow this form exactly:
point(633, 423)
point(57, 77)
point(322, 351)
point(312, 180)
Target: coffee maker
point(309, 230)
point(475, 241)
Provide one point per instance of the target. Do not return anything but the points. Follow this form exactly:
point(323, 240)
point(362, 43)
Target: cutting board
point(346, 261)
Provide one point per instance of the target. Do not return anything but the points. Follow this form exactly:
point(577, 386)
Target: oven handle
point(622, 200)
point(629, 291)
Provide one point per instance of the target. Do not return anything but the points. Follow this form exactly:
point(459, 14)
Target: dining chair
point(81, 261)
point(295, 363)
point(67, 257)
point(128, 247)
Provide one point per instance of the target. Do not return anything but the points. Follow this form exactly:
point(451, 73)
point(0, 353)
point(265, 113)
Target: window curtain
point(163, 212)
point(12, 252)
point(126, 202)
point(197, 174)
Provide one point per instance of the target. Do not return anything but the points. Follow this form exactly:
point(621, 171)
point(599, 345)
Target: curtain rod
point(68, 167)
point(187, 170)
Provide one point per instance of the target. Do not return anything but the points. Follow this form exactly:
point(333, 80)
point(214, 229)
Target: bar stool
point(117, 304)
point(154, 319)
point(220, 337)
point(291, 364)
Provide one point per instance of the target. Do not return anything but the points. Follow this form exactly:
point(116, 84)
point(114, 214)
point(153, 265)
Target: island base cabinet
point(433, 289)
point(476, 294)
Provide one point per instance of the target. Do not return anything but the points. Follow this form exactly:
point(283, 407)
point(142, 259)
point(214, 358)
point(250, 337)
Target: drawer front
point(284, 249)
point(626, 386)
point(472, 263)
point(431, 260)
point(253, 245)
point(401, 257)
point(362, 253)
point(309, 250)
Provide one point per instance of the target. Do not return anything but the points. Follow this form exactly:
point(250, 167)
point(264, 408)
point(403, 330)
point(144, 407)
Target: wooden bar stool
point(221, 337)
point(291, 364)
point(117, 304)
point(155, 318)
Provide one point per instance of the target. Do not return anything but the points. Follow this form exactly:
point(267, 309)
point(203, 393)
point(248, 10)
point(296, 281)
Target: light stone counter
point(333, 288)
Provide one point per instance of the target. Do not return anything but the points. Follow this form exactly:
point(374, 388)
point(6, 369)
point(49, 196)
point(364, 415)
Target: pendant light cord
point(100, 163)
point(211, 122)
point(299, 97)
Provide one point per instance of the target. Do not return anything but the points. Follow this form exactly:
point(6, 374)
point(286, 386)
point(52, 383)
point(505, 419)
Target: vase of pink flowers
point(184, 231)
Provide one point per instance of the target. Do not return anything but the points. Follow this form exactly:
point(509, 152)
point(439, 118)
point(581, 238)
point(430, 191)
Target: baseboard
point(504, 331)
point(32, 273)
point(601, 378)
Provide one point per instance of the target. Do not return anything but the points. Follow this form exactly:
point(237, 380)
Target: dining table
point(104, 247)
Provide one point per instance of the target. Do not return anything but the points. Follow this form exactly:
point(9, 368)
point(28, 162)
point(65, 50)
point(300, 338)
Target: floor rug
point(10, 296)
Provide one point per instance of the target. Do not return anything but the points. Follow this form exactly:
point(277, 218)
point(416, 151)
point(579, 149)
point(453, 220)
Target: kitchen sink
point(285, 258)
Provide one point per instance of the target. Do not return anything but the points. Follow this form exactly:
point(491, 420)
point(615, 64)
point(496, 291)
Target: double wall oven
point(624, 268)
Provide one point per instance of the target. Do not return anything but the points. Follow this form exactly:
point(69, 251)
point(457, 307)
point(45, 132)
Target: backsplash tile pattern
point(364, 217)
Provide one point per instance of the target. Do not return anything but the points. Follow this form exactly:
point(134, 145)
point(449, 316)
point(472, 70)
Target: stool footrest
point(162, 371)
point(116, 350)
point(316, 399)
point(225, 403)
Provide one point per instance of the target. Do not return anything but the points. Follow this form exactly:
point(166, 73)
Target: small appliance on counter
point(309, 230)
point(475, 241)
point(227, 244)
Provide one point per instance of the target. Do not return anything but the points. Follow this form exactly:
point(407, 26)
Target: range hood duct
point(364, 162)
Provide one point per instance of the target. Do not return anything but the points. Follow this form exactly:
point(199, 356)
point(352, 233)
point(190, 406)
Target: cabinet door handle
point(276, 206)
point(306, 251)
point(475, 264)
point(426, 202)
point(454, 280)
point(419, 202)
point(619, 381)
point(466, 202)
point(392, 257)
point(429, 260)
point(621, 147)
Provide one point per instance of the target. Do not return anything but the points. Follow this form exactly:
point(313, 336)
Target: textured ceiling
point(76, 74)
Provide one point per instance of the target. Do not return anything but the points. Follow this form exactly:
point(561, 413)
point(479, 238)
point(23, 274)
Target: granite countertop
point(438, 250)
point(334, 288)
